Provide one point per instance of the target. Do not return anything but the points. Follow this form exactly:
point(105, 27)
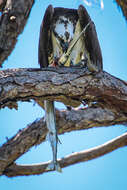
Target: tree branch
point(67, 85)
point(12, 22)
point(66, 121)
point(20, 170)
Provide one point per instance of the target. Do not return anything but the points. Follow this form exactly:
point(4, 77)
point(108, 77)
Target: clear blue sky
point(107, 172)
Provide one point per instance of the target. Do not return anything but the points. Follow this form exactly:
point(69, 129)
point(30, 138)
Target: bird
point(68, 38)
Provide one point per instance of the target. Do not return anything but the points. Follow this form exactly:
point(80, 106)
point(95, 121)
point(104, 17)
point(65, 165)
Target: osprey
point(59, 30)
point(67, 38)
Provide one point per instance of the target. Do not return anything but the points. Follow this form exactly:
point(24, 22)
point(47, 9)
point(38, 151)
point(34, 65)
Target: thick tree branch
point(19, 170)
point(108, 93)
point(68, 85)
point(66, 121)
point(12, 22)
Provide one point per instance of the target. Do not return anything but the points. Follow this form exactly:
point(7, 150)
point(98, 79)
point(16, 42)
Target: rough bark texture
point(107, 105)
point(12, 21)
point(68, 85)
point(104, 95)
point(123, 5)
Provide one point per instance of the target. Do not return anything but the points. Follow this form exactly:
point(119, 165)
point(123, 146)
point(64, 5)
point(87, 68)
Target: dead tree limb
point(68, 85)
point(20, 170)
point(67, 121)
point(12, 22)
point(108, 94)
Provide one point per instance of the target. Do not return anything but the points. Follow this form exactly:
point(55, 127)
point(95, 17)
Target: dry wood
point(19, 170)
point(12, 22)
point(71, 86)
point(68, 85)
point(108, 93)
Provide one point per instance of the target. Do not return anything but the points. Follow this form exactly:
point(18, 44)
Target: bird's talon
point(54, 166)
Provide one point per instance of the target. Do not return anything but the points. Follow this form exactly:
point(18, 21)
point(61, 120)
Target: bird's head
point(64, 31)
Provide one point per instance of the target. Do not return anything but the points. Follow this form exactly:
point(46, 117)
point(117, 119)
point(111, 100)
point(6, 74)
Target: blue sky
point(107, 172)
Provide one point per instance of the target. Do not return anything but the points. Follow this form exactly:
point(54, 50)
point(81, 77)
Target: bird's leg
point(52, 133)
point(53, 142)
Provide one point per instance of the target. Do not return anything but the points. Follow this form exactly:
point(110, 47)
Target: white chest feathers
point(67, 50)
point(64, 29)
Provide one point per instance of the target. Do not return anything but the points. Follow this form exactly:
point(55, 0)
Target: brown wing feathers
point(91, 40)
point(45, 39)
point(90, 37)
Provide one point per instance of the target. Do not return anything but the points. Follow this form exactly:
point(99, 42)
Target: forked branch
point(105, 97)
point(20, 170)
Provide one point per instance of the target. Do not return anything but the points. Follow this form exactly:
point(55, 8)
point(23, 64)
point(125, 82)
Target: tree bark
point(105, 97)
point(68, 85)
point(12, 22)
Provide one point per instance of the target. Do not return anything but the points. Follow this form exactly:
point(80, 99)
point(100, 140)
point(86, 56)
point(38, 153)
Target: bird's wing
point(45, 45)
point(91, 41)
